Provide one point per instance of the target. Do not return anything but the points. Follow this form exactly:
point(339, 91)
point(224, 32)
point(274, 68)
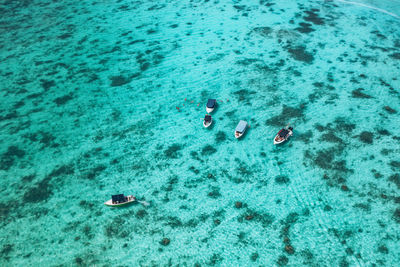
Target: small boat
point(283, 135)
point(207, 121)
point(211, 103)
point(120, 200)
point(240, 129)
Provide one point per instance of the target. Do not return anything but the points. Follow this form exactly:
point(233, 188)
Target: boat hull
point(131, 199)
point(238, 135)
point(277, 141)
point(206, 125)
point(209, 110)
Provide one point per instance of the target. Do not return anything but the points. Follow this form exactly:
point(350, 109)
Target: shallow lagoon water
point(102, 97)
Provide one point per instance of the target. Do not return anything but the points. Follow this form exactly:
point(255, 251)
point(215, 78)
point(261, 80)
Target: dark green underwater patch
point(215, 259)
point(281, 179)
point(220, 136)
point(367, 137)
point(304, 28)
point(395, 164)
point(9, 116)
point(46, 85)
point(7, 248)
point(331, 137)
point(140, 214)
point(63, 170)
point(312, 16)
point(172, 151)
point(286, 115)
point(300, 53)
point(395, 56)
point(116, 228)
point(358, 93)
point(8, 158)
point(265, 219)
point(383, 249)
point(305, 137)
point(208, 150)
point(396, 215)
point(40, 192)
point(325, 159)
point(390, 110)
point(214, 192)
point(254, 256)
point(395, 178)
point(282, 260)
point(383, 132)
point(244, 95)
point(263, 31)
point(119, 80)
point(6, 209)
point(94, 172)
point(63, 99)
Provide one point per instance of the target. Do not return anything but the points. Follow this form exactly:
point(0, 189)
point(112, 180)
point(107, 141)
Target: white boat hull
point(283, 140)
point(130, 200)
point(278, 142)
point(209, 110)
point(207, 124)
point(238, 135)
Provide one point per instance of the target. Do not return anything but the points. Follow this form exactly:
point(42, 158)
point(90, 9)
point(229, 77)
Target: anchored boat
point(207, 121)
point(283, 135)
point(211, 103)
point(120, 200)
point(240, 129)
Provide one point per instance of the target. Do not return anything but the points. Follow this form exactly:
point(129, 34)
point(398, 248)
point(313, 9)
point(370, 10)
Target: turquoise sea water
point(106, 97)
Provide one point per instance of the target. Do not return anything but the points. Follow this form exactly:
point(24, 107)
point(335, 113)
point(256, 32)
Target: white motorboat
point(120, 200)
point(283, 135)
point(207, 121)
point(240, 129)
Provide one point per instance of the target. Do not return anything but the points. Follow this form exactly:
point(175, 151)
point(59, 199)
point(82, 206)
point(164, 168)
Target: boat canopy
point(241, 126)
point(283, 133)
point(211, 103)
point(118, 198)
point(207, 118)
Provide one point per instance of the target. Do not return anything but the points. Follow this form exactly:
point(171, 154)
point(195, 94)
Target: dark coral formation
point(40, 192)
point(390, 110)
point(286, 115)
point(173, 151)
point(300, 53)
point(8, 158)
point(220, 137)
point(367, 137)
point(395, 178)
point(238, 204)
point(281, 179)
point(62, 100)
point(119, 80)
point(304, 27)
point(312, 16)
point(265, 219)
point(208, 150)
point(165, 241)
point(358, 93)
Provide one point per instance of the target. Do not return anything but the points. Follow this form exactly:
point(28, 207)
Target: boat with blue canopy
point(240, 129)
point(211, 104)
